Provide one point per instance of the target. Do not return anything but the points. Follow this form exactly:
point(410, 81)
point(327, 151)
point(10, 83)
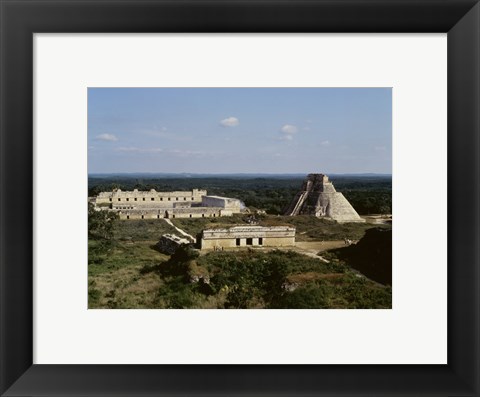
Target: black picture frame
point(20, 19)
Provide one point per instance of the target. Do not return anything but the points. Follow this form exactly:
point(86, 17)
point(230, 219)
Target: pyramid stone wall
point(318, 197)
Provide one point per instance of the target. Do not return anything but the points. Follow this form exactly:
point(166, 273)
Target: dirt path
point(179, 230)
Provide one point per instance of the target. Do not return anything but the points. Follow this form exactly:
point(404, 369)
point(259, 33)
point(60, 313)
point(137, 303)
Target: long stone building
point(119, 199)
point(248, 236)
point(154, 205)
point(318, 197)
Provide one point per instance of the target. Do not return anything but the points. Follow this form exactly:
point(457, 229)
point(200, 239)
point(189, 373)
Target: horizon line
point(236, 173)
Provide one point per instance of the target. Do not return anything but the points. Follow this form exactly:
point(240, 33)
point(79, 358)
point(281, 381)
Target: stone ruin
point(318, 197)
point(169, 243)
point(155, 205)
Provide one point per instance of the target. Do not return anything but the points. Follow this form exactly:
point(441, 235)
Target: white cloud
point(230, 122)
point(289, 129)
point(187, 153)
point(325, 143)
point(107, 137)
point(132, 149)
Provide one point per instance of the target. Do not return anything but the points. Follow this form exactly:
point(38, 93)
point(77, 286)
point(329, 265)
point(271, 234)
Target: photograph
point(240, 198)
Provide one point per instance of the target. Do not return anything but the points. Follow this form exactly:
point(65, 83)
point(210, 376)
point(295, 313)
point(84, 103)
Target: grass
point(114, 274)
point(118, 281)
point(124, 288)
point(141, 229)
point(125, 254)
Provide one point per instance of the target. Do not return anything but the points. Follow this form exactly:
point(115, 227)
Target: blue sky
point(240, 130)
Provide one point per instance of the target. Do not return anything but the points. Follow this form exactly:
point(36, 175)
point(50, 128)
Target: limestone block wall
point(231, 204)
point(196, 212)
point(182, 204)
point(138, 214)
point(221, 243)
point(279, 242)
point(338, 208)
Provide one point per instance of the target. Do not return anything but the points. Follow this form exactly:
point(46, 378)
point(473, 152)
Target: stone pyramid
point(318, 197)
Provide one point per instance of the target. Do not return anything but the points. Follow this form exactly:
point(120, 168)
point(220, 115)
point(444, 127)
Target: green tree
point(100, 224)
point(184, 253)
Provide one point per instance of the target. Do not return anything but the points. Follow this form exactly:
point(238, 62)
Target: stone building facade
point(225, 203)
point(155, 205)
point(135, 199)
point(318, 197)
point(248, 236)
